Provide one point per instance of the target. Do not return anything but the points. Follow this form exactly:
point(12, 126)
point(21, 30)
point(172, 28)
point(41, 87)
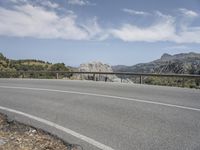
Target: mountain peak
point(181, 56)
point(166, 57)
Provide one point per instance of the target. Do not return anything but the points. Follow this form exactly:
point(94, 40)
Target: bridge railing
point(121, 75)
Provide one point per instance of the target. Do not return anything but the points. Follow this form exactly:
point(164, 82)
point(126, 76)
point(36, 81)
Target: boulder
point(96, 67)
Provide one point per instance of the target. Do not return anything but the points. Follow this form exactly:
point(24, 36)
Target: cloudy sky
point(112, 31)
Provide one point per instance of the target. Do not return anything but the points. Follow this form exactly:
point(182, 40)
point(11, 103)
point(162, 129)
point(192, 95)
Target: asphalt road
point(119, 116)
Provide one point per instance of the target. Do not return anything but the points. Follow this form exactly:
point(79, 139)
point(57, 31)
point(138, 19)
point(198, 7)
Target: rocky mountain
point(181, 56)
point(183, 63)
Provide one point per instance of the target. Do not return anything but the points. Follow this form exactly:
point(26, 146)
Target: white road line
point(105, 96)
point(66, 130)
point(73, 133)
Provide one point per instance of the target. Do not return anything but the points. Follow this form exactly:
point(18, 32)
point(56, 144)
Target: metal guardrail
point(110, 73)
point(119, 74)
point(141, 75)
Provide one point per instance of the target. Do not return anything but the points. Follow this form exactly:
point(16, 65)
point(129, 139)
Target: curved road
point(108, 116)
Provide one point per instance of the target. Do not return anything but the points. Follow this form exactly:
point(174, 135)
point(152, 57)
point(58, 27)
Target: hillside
point(29, 65)
point(183, 63)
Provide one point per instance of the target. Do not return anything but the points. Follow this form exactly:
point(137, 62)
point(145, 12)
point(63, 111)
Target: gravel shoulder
point(17, 136)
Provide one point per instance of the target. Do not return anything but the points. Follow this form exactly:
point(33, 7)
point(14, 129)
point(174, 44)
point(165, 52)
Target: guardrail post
point(140, 79)
point(81, 76)
point(23, 76)
point(183, 82)
point(106, 78)
point(94, 76)
point(57, 75)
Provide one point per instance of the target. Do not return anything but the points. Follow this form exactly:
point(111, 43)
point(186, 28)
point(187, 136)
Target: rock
point(33, 131)
point(96, 67)
point(3, 141)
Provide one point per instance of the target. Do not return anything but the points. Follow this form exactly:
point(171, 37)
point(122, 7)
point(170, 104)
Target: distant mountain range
point(183, 63)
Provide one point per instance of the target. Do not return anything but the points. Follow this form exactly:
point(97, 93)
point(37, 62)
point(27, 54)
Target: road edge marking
point(61, 128)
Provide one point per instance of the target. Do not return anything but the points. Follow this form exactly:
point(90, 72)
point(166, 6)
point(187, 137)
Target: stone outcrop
point(96, 67)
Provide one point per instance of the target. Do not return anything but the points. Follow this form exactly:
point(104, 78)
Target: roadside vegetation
point(10, 68)
point(178, 82)
point(168, 81)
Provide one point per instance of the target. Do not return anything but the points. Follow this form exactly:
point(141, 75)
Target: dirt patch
point(17, 136)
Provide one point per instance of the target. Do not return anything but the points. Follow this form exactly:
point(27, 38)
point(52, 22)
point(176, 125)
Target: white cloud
point(79, 2)
point(188, 13)
point(34, 21)
point(18, 1)
point(49, 4)
point(134, 12)
point(45, 3)
point(94, 30)
point(165, 28)
point(188, 35)
point(161, 31)
point(25, 19)
point(163, 16)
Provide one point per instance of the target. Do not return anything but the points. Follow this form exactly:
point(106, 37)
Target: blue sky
point(112, 31)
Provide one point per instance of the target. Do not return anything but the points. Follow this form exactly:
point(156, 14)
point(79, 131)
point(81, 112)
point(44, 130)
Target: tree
point(59, 67)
